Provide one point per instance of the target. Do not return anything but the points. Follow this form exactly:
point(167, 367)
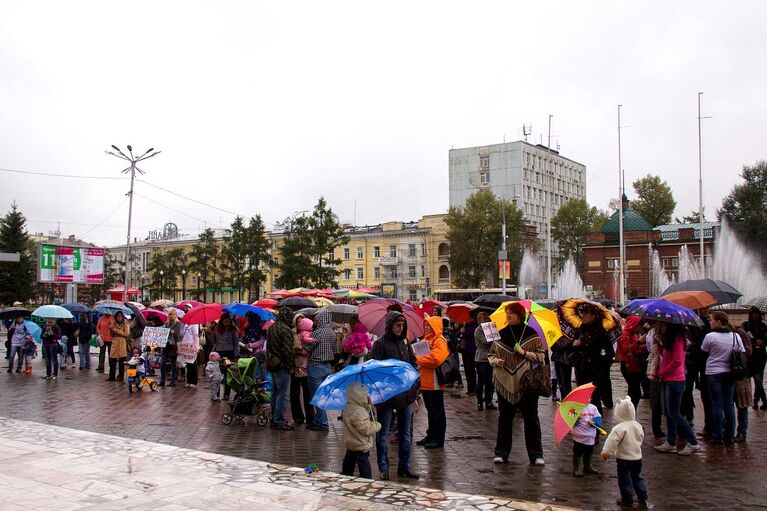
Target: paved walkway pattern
point(49, 467)
point(724, 478)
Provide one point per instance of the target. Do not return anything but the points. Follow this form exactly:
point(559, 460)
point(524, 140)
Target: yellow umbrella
point(321, 301)
point(539, 318)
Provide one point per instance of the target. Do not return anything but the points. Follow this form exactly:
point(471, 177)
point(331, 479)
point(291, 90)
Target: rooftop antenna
point(527, 130)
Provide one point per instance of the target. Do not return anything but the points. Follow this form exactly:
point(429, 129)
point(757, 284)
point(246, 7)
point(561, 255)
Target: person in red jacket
point(431, 390)
point(629, 354)
point(105, 346)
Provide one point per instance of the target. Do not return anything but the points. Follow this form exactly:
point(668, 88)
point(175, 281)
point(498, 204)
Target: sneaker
point(498, 460)
point(665, 447)
point(44, 377)
point(192, 386)
point(54, 377)
point(186, 385)
point(539, 461)
point(689, 449)
point(491, 406)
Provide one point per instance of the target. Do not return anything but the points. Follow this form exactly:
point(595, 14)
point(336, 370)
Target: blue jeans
point(85, 354)
point(630, 480)
point(722, 391)
point(15, 350)
point(404, 426)
point(280, 395)
point(51, 354)
point(673, 392)
point(317, 374)
point(360, 459)
point(743, 420)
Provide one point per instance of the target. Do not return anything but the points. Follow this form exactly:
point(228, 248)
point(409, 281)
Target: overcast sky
point(261, 107)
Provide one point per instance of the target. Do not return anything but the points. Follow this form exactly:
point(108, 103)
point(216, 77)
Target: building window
point(484, 161)
point(413, 295)
point(675, 262)
point(347, 274)
point(666, 262)
point(360, 274)
point(393, 272)
point(346, 252)
point(359, 253)
point(411, 272)
point(411, 250)
point(331, 256)
point(423, 271)
point(376, 252)
point(423, 249)
point(376, 272)
point(484, 178)
point(392, 250)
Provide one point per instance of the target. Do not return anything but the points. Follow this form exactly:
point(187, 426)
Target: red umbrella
point(461, 312)
point(265, 303)
point(373, 313)
point(203, 314)
point(428, 306)
point(182, 304)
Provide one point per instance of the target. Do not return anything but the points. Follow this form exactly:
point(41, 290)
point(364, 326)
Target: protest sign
point(491, 332)
point(155, 337)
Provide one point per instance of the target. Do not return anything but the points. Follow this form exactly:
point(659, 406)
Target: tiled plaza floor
point(724, 478)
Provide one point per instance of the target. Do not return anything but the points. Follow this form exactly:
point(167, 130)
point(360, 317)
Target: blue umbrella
point(76, 308)
point(383, 378)
point(241, 309)
point(34, 330)
point(660, 309)
point(112, 307)
point(52, 311)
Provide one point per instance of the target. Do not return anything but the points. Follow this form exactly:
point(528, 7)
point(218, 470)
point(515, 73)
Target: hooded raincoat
point(428, 364)
point(279, 342)
point(625, 439)
point(359, 426)
point(390, 346)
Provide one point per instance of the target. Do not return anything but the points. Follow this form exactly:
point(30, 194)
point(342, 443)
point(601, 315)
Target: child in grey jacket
point(214, 375)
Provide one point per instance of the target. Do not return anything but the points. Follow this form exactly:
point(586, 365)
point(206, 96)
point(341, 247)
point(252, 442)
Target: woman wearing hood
point(629, 354)
point(431, 390)
point(515, 354)
point(120, 331)
point(756, 331)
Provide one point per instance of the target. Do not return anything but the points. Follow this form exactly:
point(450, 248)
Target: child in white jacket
point(360, 430)
point(624, 443)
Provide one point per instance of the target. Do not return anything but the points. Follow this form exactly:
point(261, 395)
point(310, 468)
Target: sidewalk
point(50, 467)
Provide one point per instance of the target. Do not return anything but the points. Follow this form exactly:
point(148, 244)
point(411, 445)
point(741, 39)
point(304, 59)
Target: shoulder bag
point(738, 361)
point(537, 380)
point(448, 372)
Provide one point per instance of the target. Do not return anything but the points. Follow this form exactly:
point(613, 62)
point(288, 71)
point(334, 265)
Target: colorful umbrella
point(660, 309)
point(190, 303)
point(461, 312)
point(322, 301)
point(52, 311)
point(139, 306)
point(570, 409)
point(373, 315)
point(539, 318)
point(428, 306)
point(203, 314)
point(383, 378)
point(570, 312)
point(242, 309)
point(691, 299)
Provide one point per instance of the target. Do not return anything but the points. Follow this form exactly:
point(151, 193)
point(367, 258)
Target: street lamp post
point(133, 160)
point(162, 282)
point(183, 284)
point(198, 286)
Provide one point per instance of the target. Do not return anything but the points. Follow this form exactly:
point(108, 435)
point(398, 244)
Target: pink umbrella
point(203, 314)
point(152, 312)
point(265, 303)
point(373, 313)
point(191, 303)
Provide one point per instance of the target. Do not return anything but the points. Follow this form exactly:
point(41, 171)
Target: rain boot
point(588, 468)
point(578, 466)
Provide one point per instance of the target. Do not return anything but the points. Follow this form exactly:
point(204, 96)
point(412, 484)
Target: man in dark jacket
point(757, 334)
point(394, 345)
point(280, 361)
point(468, 350)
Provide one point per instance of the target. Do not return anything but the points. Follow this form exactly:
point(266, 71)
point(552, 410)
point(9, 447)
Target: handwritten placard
point(491, 332)
point(155, 336)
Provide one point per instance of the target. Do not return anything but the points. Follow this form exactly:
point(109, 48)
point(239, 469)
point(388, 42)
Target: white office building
point(532, 176)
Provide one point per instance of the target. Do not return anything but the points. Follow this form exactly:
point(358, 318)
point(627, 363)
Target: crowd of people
point(662, 364)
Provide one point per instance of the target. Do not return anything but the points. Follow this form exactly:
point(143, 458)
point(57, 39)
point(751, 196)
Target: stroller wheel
point(262, 420)
point(271, 416)
point(227, 418)
point(239, 417)
point(153, 386)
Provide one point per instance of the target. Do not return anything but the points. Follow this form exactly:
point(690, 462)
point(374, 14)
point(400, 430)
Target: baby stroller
point(251, 398)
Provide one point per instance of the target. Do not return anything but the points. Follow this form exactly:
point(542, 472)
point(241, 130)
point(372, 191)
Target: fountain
point(737, 265)
point(659, 279)
point(530, 275)
point(689, 269)
point(568, 283)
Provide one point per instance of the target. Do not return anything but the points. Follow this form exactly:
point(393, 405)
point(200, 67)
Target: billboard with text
point(70, 265)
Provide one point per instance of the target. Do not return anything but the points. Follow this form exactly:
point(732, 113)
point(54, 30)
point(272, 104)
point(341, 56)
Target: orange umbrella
point(691, 299)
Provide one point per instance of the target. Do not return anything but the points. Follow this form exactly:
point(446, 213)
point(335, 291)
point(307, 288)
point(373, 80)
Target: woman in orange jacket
point(431, 390)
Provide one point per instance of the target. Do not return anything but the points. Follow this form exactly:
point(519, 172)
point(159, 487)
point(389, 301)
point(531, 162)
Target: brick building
point(601, 253)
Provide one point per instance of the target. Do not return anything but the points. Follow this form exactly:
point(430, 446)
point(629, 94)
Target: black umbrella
point(495, 300)
point(308, 312)
point(12, 312)
point(295, 302)
point(76, 308)
point(136, 313)
point(719, 289)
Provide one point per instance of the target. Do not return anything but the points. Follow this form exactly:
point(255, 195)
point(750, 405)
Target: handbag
point(537, 380)
point(738, 362)
point(448, 371)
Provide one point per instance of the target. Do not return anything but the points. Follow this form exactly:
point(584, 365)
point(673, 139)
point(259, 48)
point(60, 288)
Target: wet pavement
point(725, 478)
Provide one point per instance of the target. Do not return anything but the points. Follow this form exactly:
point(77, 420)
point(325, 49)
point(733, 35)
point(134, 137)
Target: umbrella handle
point(601, 431)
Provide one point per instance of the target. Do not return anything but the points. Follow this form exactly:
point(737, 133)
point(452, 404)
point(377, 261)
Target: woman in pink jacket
point(671, 372)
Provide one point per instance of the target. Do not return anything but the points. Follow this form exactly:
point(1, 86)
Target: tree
point(571, 224)
point(745, 208)
point(692, 218)
point(474, 234)
point(204, 259)
point(235, 253)
point(17, 280)
point(655, 201)
point(327, 234)
point(259, 256)
point(296, 265)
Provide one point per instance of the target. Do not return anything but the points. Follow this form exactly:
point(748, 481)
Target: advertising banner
point(73, 265)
